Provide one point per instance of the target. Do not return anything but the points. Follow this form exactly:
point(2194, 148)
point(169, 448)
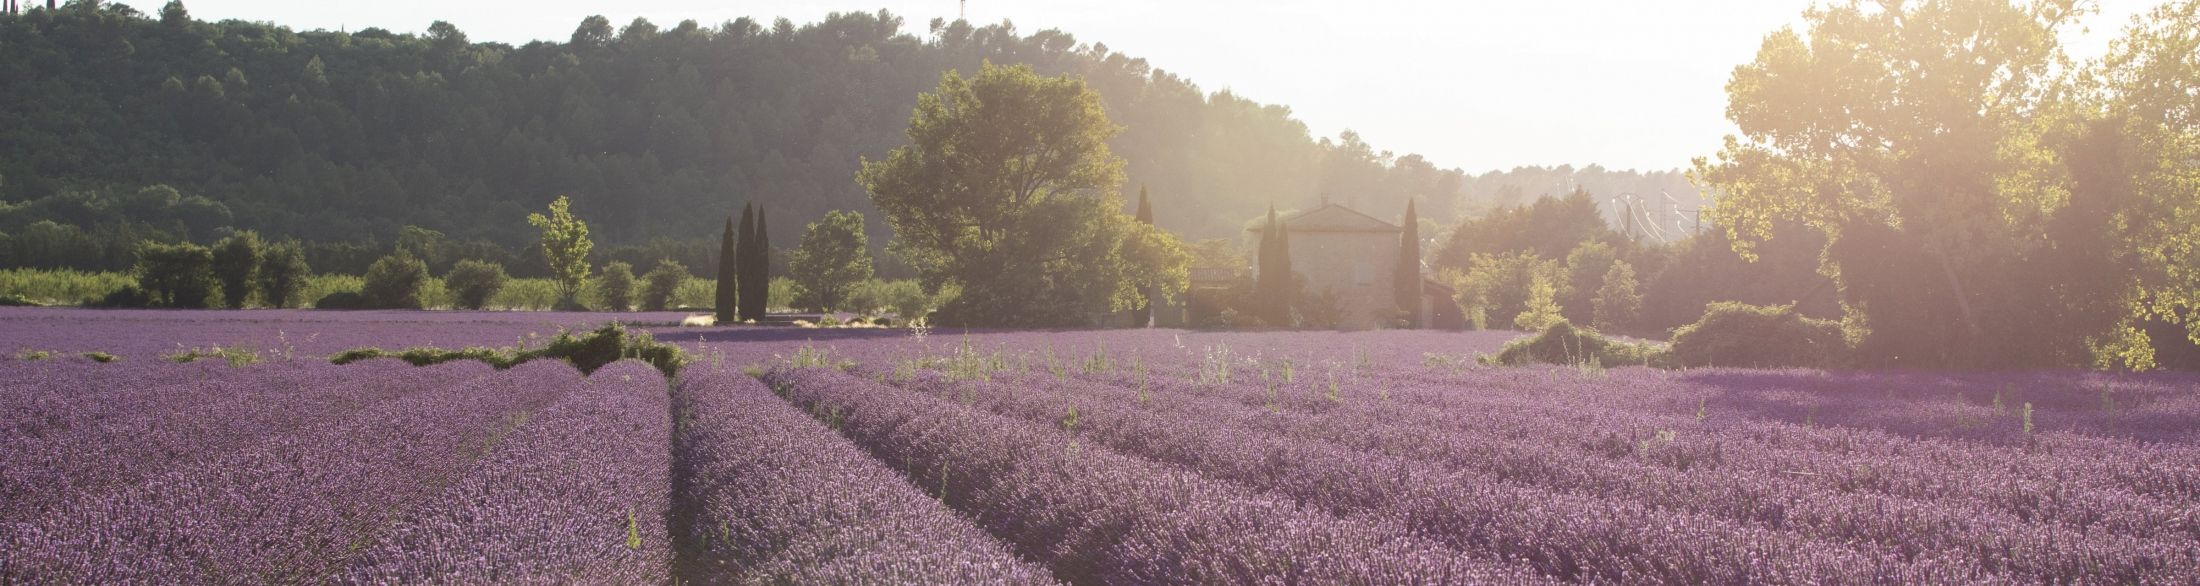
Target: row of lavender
point(302, 472)
point(1631, 475)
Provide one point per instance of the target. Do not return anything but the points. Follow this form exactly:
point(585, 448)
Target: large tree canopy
point(1940, 146)
point(1008, 188)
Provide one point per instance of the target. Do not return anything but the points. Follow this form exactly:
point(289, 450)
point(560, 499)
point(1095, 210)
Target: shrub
point(175, 275)
point(1618, 301)
point(661, 285)
point(473, 283)
point(283, 274)
point(615, 289)
point(586, 352)
point(394, 282)
point(127, 296)
point(1751, 336)
point(1562, 343)
point(342, 300)
point(237, 265)
point(14, 300)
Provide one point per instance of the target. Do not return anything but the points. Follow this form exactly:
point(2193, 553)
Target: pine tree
point(1407, 283)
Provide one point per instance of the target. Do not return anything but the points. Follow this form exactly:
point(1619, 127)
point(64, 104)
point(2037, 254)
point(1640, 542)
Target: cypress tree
point(1272, 287)
point(729, 268)
point(1407, 283)
point(756, 280)
point(1143, 316)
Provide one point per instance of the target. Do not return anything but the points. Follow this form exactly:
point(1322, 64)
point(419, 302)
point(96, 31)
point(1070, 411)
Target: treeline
point(337, 136)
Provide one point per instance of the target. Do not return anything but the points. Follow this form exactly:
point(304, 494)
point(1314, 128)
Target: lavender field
point(783, 455)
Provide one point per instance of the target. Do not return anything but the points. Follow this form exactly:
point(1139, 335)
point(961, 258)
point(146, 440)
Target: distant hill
point(656, 132)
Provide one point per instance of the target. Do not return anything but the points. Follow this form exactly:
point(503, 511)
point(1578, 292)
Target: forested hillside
point(655, 131)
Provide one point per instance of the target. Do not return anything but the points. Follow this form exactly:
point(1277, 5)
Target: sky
point(1471, 84)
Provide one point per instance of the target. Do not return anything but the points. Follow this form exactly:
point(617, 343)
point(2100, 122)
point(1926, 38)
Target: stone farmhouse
point(1353, 256)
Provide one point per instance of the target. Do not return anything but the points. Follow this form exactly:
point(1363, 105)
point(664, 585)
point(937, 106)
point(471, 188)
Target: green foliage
point(587, 352)
point(565, 246)
point(1551, 227)
point(1562, 343)
point(906, 298)
point(727, 293)
point(1617, 301)
point(1406, 276)
point(1541, 309)
point(615, 288)
point(834, 257)
point(60, 286)
point(283, 274)
point(342, 300)
point(236, 356)
point(1275, 287)
point(1586, 265)
point(473, 283)
point(1007, 189)
point(29, 355)
point(1497, 290)
point(754, 262)
point(100, 357)
point(395, 282)
point(175, 275)
point(782, 294)
point(14, 300)
point(1748, 336)
point(661, 286)
point(237, 265)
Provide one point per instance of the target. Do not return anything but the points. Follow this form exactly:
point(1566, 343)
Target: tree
point(175, 275)
point(833, 258)
point(1143, 316)
point(1585, 268)
point(729, 271)
point(237, 265)
point(615, 289)
point(565, 247)
point(661, 284)
point(1274, 287)
point(756, 272)
point(1406, 276)
point(1542, 305)
point(1008, 190)
point(1617, 301)
point(394, 282)
point(472, 283)
point(1913, 137)
point(283, 274)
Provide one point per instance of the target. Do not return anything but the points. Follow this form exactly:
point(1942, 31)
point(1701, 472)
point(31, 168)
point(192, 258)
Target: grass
point(237, 356)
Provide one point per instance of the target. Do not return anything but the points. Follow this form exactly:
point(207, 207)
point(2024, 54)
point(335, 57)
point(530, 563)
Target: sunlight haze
point(1472, 85)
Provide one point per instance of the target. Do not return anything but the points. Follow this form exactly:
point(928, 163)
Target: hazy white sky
point(1477, 85)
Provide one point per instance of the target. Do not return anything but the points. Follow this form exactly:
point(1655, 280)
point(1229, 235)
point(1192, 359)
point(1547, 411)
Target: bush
point(127, 296)
point(586, 352)
point(175, 275)
point(237, 266)
point(661, 285)
point(472, 283)
point(14, 300)
point(283, 274)
point(1562, 343)
point(615, 289)
point(342, 300)
point(394, 282)
point(1751, 336)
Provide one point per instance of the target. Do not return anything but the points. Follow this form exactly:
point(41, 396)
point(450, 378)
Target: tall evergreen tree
point(723, 303)
point(1274, 285)
point(1407, 283)
point(1143, 316)
point(756, 270)
point(743, 249)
